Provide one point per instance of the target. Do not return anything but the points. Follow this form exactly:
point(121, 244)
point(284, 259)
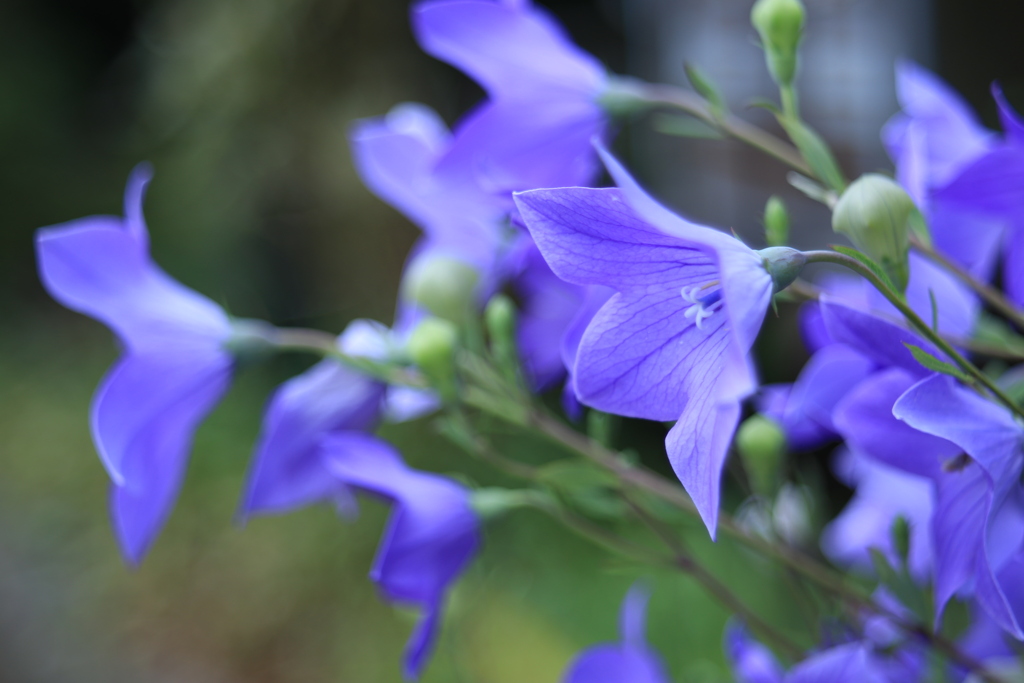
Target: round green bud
point(431, 346)
point(776, 222)
point(761, 445)
point(443, 285)
point(780, 23)
point(500, 319)
point(874, 212)
point(783, 264)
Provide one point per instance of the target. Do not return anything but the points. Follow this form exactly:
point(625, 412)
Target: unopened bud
point(783, 264)
point(874, 212)
point(776, 222)
point(761, 445)
point(443, 285)
point(780, 24)
point(500, 319)
point(431, 347)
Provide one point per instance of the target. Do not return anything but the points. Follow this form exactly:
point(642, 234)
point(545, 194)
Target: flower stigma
point(704, 306)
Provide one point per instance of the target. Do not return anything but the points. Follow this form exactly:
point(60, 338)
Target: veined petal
point(865, 420)
point(144, 418)
point(97, 267)
point(593, 237)
point(431, 536)
point(512, 51)
point(986, 431)
point(650, 210)
point(288, 470)
point(642, 357)
point(747, 290)
point(148, 406)
point(962, 508)
point(697, 447)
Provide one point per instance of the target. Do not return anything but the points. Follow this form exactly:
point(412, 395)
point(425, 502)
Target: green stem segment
point(920, 325)
point(991, 296)
point(729, 124)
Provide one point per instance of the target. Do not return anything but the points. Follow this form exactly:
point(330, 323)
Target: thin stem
point(797, 561)
point(326, 345)
point(685, 562)
point(729, 124)
point(990, 295)
point(805, 291)
point(922, 327)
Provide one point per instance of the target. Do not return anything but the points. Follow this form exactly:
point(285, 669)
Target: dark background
point(243, 107)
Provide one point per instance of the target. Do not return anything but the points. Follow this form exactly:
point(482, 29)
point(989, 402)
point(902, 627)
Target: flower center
point(706, 299)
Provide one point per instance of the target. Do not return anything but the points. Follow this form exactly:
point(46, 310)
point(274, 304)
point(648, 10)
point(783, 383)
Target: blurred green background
point(243, 107)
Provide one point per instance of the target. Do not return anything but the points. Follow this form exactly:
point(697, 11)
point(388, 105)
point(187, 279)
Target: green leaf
point(814, 150)
point(584, 487)
point(762, 103)
point(870, 263)
point(684, 127)
point(997, 333)
point(707, 89)
point(935, 365)
point(901, 585)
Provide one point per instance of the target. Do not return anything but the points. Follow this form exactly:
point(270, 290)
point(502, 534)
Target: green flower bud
point(444, 286)
point(780, 24)
point(776, 222)
point(500, 319)
point(761, 445)
point(783, 264)
point(431, 346)
point(875, 213)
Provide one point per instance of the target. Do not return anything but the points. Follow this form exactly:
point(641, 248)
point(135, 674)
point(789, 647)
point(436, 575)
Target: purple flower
point(630, 661)
point(979, 519)
point(287, 470)
point(932, 140)
point(432, 534)
point(673, 342)
point(883, 493)
point(543, 111)
point(853, 662)
point(174, 369)
point(398, 157)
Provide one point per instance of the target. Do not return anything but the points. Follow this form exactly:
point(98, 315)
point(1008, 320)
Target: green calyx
point(783, 264)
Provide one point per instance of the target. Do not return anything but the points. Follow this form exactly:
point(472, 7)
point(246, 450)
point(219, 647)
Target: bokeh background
point(243, 107)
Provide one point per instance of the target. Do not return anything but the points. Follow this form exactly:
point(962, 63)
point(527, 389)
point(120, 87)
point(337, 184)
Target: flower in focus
point(175, 367)
point(673, 342)
point(432, 533)
point(543, 111)
point(630, 661)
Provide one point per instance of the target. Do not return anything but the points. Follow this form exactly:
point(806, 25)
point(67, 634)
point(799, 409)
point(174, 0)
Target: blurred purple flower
point(932, 140)
point(398, 157)
point(853, 662)
point(174, 369)
point(630, 661)
point(882, 494)
point(979, 519)
point(432, 533)
point(543, 111)
point(673, 343)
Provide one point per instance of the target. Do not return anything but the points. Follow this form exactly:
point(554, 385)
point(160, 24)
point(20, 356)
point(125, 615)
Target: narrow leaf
point(935, 365)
